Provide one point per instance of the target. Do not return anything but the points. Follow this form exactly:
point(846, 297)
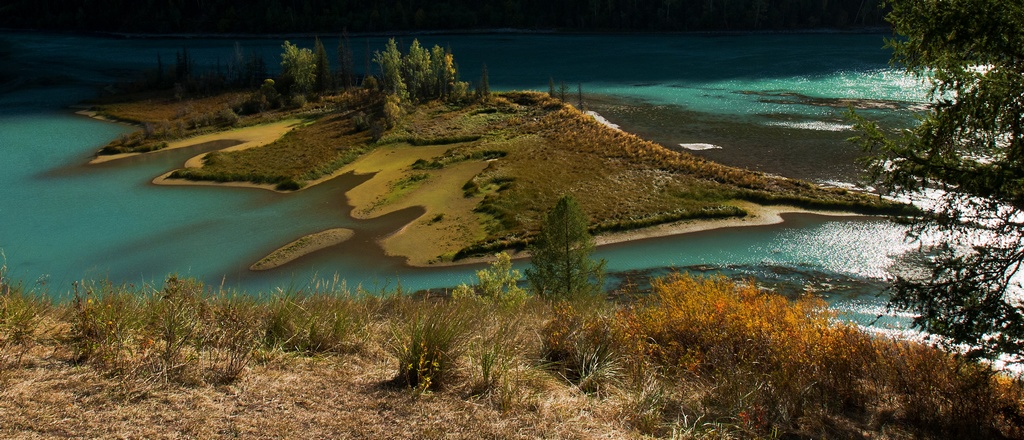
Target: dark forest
point(331, 16)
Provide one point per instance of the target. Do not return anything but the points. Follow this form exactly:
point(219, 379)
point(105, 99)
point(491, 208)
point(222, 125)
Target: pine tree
point(967, 158)
point(483, 90)
point(579, 91)
point(346, 68)
point(322, 77)
point(183, 66)
point(417, 72)
point(561, 263)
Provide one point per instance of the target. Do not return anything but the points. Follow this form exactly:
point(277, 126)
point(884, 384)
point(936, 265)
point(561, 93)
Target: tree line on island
point(399, 82)
point(268, 16)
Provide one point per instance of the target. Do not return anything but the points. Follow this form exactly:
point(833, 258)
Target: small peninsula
point(483, 166)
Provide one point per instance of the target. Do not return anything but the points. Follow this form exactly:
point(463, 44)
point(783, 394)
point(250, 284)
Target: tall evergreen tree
point(159, 71)
point(483, 89)
point(322, 77)
point(561, 263)
point(346, 68)
point(967, 158)
point(579, 95)
point(183, 66)
point(563, 92)
point(417, 72)
point(443, 72)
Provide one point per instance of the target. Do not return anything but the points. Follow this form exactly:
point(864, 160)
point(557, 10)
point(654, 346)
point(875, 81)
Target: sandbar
point(757, 215)
point(303, 246)
point(248, 137)
point(449, 222)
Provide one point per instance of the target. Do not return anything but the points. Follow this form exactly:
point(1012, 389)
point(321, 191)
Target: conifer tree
point(390, 62)
point(417, 72)
point(967, 158)
point(483, 89)
point(443, 72)
point(561, 263)
point(322, 77)
point(183, 66)
point(346, 68)
point(579, 94)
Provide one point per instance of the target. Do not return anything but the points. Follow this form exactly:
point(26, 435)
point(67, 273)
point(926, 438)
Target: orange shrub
point(765, 363)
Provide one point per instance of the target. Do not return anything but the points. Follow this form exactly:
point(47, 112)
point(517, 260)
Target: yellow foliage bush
point(766, 362)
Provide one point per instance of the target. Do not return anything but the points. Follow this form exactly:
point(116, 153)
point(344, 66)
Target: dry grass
point(700, 358)
point(302, 155)
point(157, 106)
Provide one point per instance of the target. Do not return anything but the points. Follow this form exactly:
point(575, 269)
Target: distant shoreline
point(404, 33)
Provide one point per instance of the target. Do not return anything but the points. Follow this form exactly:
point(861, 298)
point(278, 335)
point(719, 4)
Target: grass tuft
point(314, 323)
point(429, 342)
point(22, 326)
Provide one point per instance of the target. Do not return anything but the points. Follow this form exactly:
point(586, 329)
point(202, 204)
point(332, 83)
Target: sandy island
point(303, 246)
point(448, 222)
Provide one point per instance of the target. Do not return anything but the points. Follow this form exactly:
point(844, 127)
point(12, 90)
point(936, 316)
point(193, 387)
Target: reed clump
point(26, 319)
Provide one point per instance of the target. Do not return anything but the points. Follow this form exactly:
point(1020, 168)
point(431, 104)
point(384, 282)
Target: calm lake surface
point(774, 103)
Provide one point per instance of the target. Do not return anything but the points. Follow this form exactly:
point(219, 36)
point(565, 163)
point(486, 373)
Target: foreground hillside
point(698, 358)
point(484, 172)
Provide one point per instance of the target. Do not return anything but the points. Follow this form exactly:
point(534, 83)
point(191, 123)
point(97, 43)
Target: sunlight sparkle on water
point(860, 249)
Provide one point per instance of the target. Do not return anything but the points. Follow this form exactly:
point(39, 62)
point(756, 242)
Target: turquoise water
point(768, 100)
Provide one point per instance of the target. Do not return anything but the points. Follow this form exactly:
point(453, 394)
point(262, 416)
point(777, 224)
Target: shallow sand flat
point(426, 241)
point(448, 223)
point(303, 246)
point(249, 137)
point(387, 164)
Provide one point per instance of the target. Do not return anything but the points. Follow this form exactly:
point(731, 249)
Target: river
point(770, 102)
